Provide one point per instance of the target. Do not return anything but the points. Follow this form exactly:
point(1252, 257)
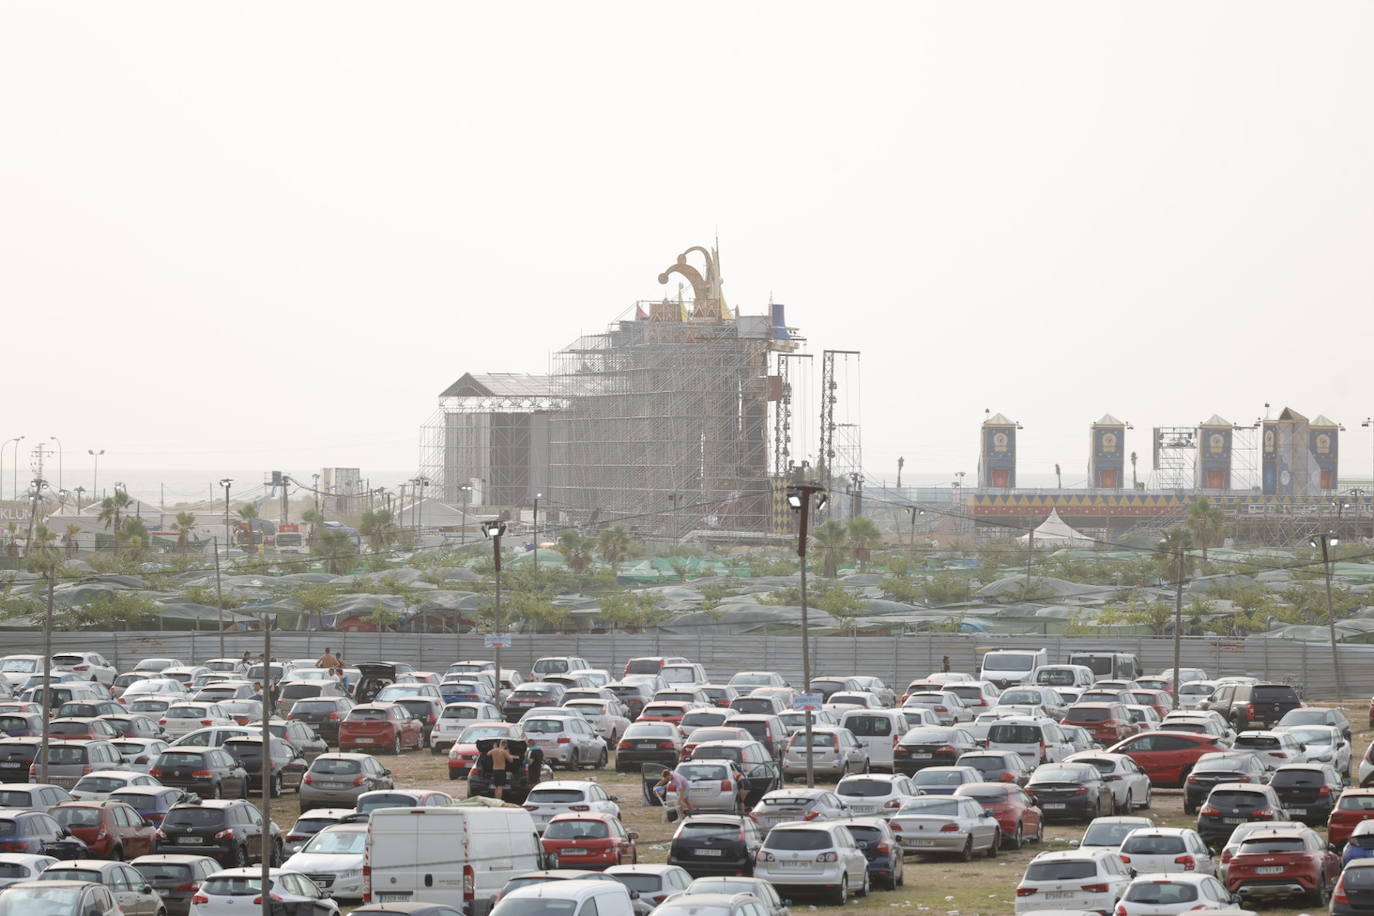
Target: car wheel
point(900, 879)
point(1016, 840)
point(1040, 831)
point(1320, 893)
point(966, 854)
point(396, 746)
point(996, 844)
point(602, 759)
point(841, 896)
point(1149, 796)
point(1130, 804)
point(867, 886)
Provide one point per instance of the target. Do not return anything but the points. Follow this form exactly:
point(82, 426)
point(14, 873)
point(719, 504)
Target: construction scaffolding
point(841, 449)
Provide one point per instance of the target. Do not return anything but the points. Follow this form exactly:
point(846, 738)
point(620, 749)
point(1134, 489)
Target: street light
point(463, 532)
point(15, 440)
point(59, 461)
point(799, 499)
point(1178, 610)
point(95, 477)
point(537, 497)
point(1325, 542)
point(494, 531)
point(226, 482)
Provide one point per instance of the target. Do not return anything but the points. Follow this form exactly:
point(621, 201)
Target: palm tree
point(614, 544)
point(112, 508)
point(44, 558)
point(186, 521)
point(316, 521)
point(576, 549)
point(863, 537)
point(133, 537)
point(249, 513)
point(831, 538)
point(1206, 523)
point(379, 529)
point(337, 549)
point(69, 539)
point(1177, 540)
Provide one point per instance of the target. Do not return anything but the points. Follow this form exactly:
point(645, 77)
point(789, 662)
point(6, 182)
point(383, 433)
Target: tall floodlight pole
point(226, 482)
point(1326, 542)
point(463, 532)
point(799, 499)
point(536, 531)
point(16, 440)
point(59, 462)
point(495, 530)
point(95, 475)
point(265, 838)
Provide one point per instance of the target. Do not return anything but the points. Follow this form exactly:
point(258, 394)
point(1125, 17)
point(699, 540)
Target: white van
point(580, 896)
point(1037, 740)
point(457, 856)
point(1009, 667)
point(878, 730)
point(1109, 665)
point(1080, 676)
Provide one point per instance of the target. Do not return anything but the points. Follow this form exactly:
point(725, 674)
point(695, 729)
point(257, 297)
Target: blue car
point(880, 846)
point(1361, 843)
point(21, 724)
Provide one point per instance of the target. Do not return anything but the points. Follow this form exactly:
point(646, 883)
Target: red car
point(665, 711)
point(374, 726)
point(589, 840)
point(1285, 863)
point(1166, 757)
point(1016, 812)
point(82, 728)
point(463, 754)
point(110, 829)
point(1353, 806)
point(1108, 723)
point(1159, 700)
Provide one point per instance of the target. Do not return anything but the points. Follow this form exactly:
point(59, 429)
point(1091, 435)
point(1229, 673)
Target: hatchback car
point(1283, 863)
point(32, 796)
point(1274, 749)
point(1108, 723)
point(1082, 880)
point(380, 726)
point(36, 833)
point(1167, 757)
point(336, 780)
point(1168, 894)
point(21, 866)
point(462, 753)
point(528, 695)
point(880, 847)
point(151, 802)
point(230, 830)
point(183, 718)
point(175, 877)
point(1129, 784)
point(552, 798)
point(334, 858)
point(834, 751)
point(134, 895)
point(323, 714)
point(1215, 768)
point(1071, 790)
point(213, 736)
point(816, 858)
point(110, 829)
point(1111, 832)
point(945, 824)
point(944, 780)
point(588, 840)
point(997, 766)
point(89, 709)
point(658, 743)
point(798, 805)
point(97, 786)
point(1308, 791)
point(87, 728)
point(287, 766)
point(133, 725)
point(1167, 849)
point(715, 844)
point(68, 761)
point(457, 716)
point(875, 794)
point(568, 742)
point(209, 772)
point(1232, 803)
point(931, 746)
point(712, 785)
point(1354, 806)
point(234, 890)
point(1018, 816)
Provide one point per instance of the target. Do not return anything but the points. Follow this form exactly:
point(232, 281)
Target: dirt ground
point(941, 887)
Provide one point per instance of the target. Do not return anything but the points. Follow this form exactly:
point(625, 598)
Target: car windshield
point(576, 830)
point(474, 733)
point(163, 871)
point(1003, 733)
point(1005, 662)
point(333, 766)
point(938, 778)
point(40, 901)
point(864, 788)
point(101, 784)
point(1160, 892)
point(557, 796)
point(338, 842)
point(532, 906)
point(231, 886)
point(1153, 845)
point(544, 726)
point(19, 666)
point(76, 817)
point(1061, 870)
point(798, 839)
point(938, 806)
point(1108, 834)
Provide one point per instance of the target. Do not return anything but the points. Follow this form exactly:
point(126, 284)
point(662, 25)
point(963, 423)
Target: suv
point(1248, 706)
point(1285, 863)
point(1231, 803)
point(336, 780)
point(322, 714)
point(557, 664)
point(229, 830)
point(1308, 791)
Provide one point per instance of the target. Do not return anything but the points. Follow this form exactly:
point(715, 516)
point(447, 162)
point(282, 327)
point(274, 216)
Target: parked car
point(1038, 740)
point(814, 857)
point(1018, 816)
point(33, 796)
point(311, 823)
point(1164, 895)
point(593, 840)
point(376, 726)
point(568, 742)
point(336, 780)
point(946, 824)
point(1071, 790)
point(98, 785)
point(763, 892)
point(606, 718)
point(86, 728)
point(715, 844)
point(1218, 767)
point(151, 802)
point(334, 859)
point(552, 798)
point(110, 830)
point(528, 695)
point(1243, 832)
point(719, 694)
point(89, 665)
point(931, 746)
point(176, 878)
point(1274, 749)
point(287, 764)
point(875, 794)
point(658, 743)
point(1072, 880)
point(1248, 706)
point(1111, 832)
point(36, 833)
point(209, 772)
point(1232, 803)
point(1279, 864)
point(234, 890)
point(1129, 783)
point(230, 830)
point(997, 766)
point(1108, 723)
point(134, 896)
point(1167, 757)
point(833, 751)
point(1307, 791)
point(767, 729)
point(1160, 850)
point(323, 714)
point(713, 785)
point(133, 725)
point(651, 884)
point(782, 805)
point(68, 761)
point(1353, 806)
point(21, 866)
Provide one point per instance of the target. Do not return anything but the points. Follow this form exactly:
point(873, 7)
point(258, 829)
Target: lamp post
point(463, 532)
point(226, 482)
point(95, 474)
point(16, 441)
point(1178, 612)
point(59, 461)
point(799, 499)
point(536, 531)
point(494, 531)
point(1326, 542)
point(266, 774)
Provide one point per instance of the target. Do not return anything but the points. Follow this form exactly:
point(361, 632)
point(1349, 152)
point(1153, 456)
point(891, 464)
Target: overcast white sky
point(267, 234)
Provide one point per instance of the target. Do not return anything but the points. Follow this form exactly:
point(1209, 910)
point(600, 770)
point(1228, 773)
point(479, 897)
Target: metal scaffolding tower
point(840, 462)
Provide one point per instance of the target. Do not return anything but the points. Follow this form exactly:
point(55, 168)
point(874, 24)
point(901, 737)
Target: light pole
point(226, 482)
point(495, 530)
point(95, 476)
point(1178, 610)
point(463, 532)
point(16, 441)
point(799, 499)
point(536, 531)
point(59, 461)
point(79, 491)
point(1326, 542)
point(266, 774)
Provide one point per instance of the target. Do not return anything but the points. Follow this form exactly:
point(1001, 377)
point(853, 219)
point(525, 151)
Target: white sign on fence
point(497, 640)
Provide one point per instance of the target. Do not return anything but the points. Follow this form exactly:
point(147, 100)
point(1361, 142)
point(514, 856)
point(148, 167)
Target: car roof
point(566, 784)
point(1241, 787)
point(643, 868)
point(1172, 877)
point(578, 887)
point(1068, 855)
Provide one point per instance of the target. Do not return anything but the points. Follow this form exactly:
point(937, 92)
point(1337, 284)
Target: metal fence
point(897, 660)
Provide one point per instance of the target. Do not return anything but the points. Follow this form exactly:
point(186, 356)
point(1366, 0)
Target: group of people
point(501, 763)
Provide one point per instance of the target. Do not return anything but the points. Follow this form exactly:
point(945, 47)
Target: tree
point(1153, 615)
point(133, 538)
point(69, 539)
point(842, 604)
point(864, 536)
point(315, 599)
point(538, 612)
point(831, 539)
point(619, 610)
point(185, 524)
point(946, 588)
point(1177, 540)
point(614, 544)
point(316, 521)
point(44, 557)
point(379, 528)
point(112, 508)
point(1206, 523)
point(576, 548)
point(335, 547)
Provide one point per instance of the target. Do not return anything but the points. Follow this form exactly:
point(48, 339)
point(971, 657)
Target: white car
point(1130, 784)
point(165, 687)
point(1046, 698)
point(799, 855)
point(190, 675)
point(139, 753)
point(97, 786)
point(130, 889)
point(184, 718)
point(90, 666)
point(834, 750)
point(215, 735)
point(783, 805)
point(457, 716)
point(1167, 849)
point(946, 824)
point(712, 785)
point(226, 665)
point(1185, 675)
point(16, 669)
point(21, 866)
point(1072, 880)
point(1170, 894)
point(1322, 744)
point(230, 689)
point(551, 798)
point(708, 718)
point(567, 741)
point(1274, 749)
point(861, 698)
point(1193, 693)
point(238, 892)
point(948, 707)
point(157, 665)
point(876, 794)
point(1110, 832)
point(333, 859)
point(604, 716)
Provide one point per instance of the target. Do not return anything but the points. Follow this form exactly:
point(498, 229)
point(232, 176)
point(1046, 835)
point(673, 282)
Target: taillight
point(1250, 711)
point(188, 886)
point(565, 740)
point(17, 846)
point(579, 807)
point(201, 774)
point(666, 745)
point(1324, 790)
point(359, 780)
point(334, 716)
point(1338, 895)
point(309, 780)
point(1026, 891)
point(893, 803)
point(226, 834)
point(827, 857)
point(623, 745)
point(1187, 862)
point(726, 785)
point(207, 722)
point(275, 898)
point(200, 898)
point(945, 749)
point(896, 827)
point(884, 847)
point(1226, 855)
point(949, 828)
point(469, 883)
point(161, 721)
point(1263, 814)
point(1209, 811)
point(811, 815)
point(1123, 858)
point(1007, 777)
point(1095, 888)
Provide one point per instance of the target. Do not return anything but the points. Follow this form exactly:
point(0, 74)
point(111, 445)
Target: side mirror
point(614, 798)
point(1132, 872)
point(386, 772)
point(146, 889)
point(633, 835)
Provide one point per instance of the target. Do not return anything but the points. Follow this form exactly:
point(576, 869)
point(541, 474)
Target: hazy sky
point(268, 234)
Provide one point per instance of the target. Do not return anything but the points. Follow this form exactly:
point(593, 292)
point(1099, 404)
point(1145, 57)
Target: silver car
point(568, 742)
point(946, 824)
point(948, 707)
point(876, 794)
point(834, 751)
point(712, 785)
point(796, 805)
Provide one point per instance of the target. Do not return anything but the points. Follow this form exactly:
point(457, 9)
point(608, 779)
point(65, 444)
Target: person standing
point(328, 660)
point(501, 759)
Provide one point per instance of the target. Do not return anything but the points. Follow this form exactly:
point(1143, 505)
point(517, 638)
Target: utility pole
point(95, 475)
point(265, 838)
point(1178, 617)
point(536, 532)
point(1325, 542)
point(226, 482)
point(219, 599)
point(799, 499)
point(495, 530)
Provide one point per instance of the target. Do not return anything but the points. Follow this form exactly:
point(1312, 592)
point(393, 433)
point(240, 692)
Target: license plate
point(921, 756)
point(1297, 810)
point(709, 852)
point(1054, 806)
point(190, 840)
point(795, 864)
point(1269, 870)
point(572, 852)
point(1233, 820)
point(646, 745)
point(1057, 895)
point(393, 898)
point(10, 765)
point(919, 842)
point(362, 740)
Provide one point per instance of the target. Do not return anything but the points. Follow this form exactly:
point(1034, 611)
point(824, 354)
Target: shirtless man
point(501, 758)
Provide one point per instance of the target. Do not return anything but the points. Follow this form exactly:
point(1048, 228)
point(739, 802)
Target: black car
point(634, 694)
point(881, 848)
point(288, 765)
point(931, 746)
point(1251, 706)
point(207, 771)
point(298, 734)
point(375, 676)
point(229, 830)
point(1071, 791)
point(1216, 768)
point(427, 710)
point(716, 844)
point(527, 696)
point(176, 878)
point(151, 802)
point(648, 742)
point(16, 754)
point(323, 714)
point(1232, 803)
point(1308, 791)
point(518, 782)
